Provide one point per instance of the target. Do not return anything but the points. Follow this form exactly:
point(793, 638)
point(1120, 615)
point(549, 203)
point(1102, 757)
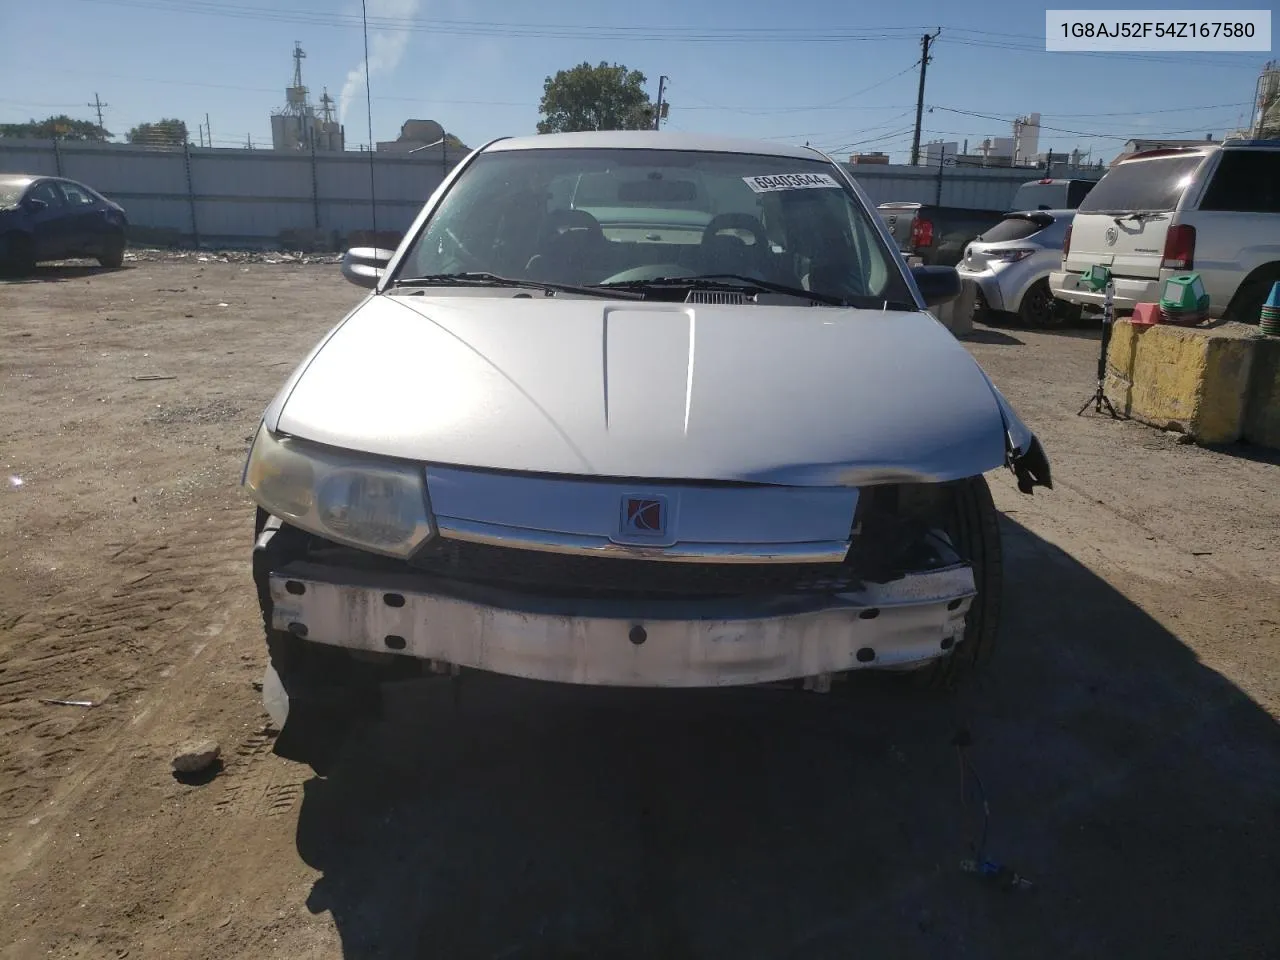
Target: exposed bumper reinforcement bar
point(908, 621)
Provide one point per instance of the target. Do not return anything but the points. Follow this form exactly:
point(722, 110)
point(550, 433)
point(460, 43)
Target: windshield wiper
point(481, 279)
point(1140, 216)
point(728, 282)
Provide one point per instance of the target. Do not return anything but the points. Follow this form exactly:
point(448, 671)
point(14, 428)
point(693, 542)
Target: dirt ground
point(1126, 737)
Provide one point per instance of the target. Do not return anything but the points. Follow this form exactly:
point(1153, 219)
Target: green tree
point(604, 97)
point(61, 127)
point(162, 133)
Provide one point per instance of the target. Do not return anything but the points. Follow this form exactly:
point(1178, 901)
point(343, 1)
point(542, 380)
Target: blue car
point(52, 218)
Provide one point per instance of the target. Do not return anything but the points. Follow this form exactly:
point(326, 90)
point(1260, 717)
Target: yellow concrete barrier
point(1207, 383)
point(1262, 409)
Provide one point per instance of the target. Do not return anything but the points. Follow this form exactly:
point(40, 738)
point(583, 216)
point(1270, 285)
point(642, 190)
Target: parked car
point(1009, 265)
point(675, 454)
point(936, 235)
point(1213, 209)
point(1051, 194)
point(939, 235)
point(53, 218)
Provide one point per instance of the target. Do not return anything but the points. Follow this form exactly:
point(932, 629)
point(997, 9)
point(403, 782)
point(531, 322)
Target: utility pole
point(98, 105)
point(657, 113)
point(925, 42)
point(208, 131)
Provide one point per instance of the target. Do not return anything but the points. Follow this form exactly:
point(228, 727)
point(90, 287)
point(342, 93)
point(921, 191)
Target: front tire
point(973, 525)
point(17, 254)
point(1038, 309)
point(113, 251)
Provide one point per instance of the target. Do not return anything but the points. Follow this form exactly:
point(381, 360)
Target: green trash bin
point(1184, 301)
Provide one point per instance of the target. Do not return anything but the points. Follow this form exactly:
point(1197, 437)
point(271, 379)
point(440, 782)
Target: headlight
point(350, 498)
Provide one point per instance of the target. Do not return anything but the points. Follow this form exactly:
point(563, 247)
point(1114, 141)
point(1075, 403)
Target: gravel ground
point(1125, 738)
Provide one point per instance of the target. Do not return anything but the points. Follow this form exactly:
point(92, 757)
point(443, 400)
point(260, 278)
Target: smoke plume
point(386, 48)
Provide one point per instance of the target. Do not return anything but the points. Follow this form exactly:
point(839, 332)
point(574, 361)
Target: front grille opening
point(578, 576)
point(898, 529)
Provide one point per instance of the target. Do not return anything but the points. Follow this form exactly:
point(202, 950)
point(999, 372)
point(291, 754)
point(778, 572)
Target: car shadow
point(61, 272)
point(993, 336)
point(1133, 786)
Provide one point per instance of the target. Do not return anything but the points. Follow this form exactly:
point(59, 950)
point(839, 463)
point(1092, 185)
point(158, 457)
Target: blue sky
point(839, 76)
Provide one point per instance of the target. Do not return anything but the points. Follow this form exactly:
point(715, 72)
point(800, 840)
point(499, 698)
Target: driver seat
point(724, 252)
point(572, 251)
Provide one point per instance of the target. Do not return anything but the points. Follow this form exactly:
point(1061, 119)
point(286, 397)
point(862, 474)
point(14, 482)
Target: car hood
point(803, 395)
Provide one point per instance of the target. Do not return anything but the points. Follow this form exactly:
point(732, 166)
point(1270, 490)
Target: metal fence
point(978, 188)
point(212, 196)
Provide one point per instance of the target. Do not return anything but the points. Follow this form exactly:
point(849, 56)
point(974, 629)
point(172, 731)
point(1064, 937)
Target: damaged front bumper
point(711, 642)
point(908, 622)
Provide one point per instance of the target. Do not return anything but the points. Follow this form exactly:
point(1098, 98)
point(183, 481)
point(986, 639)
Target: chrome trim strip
point(452, 528)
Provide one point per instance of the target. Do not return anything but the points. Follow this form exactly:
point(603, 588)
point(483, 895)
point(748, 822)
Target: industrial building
point(297, 126)
point(1020, 150)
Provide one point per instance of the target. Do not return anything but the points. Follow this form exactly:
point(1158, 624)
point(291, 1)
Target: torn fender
point(1023, 453)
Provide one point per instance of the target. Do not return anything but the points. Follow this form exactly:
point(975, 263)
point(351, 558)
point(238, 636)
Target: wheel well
point(1026, 290)
point(1271, 270)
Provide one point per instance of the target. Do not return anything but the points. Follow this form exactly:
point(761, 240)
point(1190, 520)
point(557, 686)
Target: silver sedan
point(632, 409)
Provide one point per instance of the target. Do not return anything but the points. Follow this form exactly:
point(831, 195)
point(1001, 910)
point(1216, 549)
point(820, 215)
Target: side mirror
point(34, 204)
point(938, 285)
point(363, 266)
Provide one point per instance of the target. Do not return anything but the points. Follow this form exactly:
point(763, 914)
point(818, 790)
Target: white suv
point(1212, 209)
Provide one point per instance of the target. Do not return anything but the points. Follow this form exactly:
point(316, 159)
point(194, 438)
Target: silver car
point(697, 431)
point(1010, 263)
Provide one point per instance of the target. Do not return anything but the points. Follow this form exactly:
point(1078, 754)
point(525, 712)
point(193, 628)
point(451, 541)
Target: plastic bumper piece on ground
point(989, 286)
point(908, 621)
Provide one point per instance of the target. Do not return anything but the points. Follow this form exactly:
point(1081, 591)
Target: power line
point(479, 28)
point(840, 103)
point(1077, 133)
point(1136, 58)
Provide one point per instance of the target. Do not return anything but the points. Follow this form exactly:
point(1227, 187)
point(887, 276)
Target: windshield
point(1143, 186)
point(587, 217)
point(10, 191)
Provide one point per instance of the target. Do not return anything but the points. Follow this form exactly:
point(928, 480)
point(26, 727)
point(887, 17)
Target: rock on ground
point(194, 757)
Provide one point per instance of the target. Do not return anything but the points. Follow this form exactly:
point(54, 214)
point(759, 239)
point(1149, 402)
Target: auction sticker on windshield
point(790, 181)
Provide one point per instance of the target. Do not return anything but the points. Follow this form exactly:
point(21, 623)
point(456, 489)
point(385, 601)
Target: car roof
point(651, 140)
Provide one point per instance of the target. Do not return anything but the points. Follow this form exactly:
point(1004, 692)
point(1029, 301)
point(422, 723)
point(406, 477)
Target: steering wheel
point(467, 256)
point(562, 221)
point(736, 221)
point(651, 271)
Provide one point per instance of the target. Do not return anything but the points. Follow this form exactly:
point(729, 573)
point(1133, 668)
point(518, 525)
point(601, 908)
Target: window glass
point(589, 216)
point(1011, 228)
point(1246, 181)
point(10, 192)
point(47, 192)
point(1153, 186)
point(76, 195)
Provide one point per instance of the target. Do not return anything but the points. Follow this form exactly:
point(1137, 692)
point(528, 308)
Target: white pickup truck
point(1213, 209)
